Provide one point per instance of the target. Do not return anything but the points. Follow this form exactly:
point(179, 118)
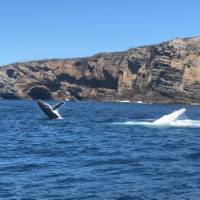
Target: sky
point(44, 29)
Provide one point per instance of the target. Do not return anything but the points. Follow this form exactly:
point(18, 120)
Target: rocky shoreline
point(165, 73)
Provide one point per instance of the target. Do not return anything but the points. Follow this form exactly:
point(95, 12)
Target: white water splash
point(177, 123)
point(170, 120)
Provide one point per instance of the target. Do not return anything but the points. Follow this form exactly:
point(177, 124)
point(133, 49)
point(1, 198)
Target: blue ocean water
point(93, 153)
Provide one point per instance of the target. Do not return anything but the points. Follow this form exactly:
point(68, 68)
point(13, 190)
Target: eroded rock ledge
point(165, 73)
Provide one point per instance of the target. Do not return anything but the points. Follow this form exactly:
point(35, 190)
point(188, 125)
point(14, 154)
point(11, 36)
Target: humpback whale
point(170, 117)
point(50, 111)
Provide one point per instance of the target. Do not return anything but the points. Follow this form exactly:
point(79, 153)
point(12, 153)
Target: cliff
point(165, 73)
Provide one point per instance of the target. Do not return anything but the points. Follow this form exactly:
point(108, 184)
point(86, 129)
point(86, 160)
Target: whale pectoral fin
point(170, 117)
point(58, 105)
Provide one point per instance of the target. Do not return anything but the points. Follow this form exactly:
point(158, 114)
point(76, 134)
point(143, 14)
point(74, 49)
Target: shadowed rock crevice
point(39, 92)
point(75, 92)
point(11, 73)
point(108, 81)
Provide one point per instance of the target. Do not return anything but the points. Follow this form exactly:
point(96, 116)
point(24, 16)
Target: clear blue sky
point(37, 29)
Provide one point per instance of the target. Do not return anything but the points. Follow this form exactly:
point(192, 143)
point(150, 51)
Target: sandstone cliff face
point(164, 73)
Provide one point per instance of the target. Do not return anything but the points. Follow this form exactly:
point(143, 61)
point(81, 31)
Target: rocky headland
point(165, 73)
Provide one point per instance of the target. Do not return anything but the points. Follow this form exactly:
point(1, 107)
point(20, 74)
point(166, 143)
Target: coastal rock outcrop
point(165, 73)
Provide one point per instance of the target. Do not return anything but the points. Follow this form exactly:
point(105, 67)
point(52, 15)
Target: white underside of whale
point(58, 114)
point(170, 117)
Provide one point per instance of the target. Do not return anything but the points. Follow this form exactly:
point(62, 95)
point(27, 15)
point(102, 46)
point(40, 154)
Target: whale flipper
point(51, 112)
point(170, 117)
point(58, 105)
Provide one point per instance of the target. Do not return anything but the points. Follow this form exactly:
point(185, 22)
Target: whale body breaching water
point(166, 119)
point(169, 120)
point(51, 111)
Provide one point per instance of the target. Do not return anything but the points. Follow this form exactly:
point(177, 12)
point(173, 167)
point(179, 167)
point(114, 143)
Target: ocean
point(99, 151)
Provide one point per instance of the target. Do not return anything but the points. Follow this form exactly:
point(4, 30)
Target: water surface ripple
point(91, 154)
